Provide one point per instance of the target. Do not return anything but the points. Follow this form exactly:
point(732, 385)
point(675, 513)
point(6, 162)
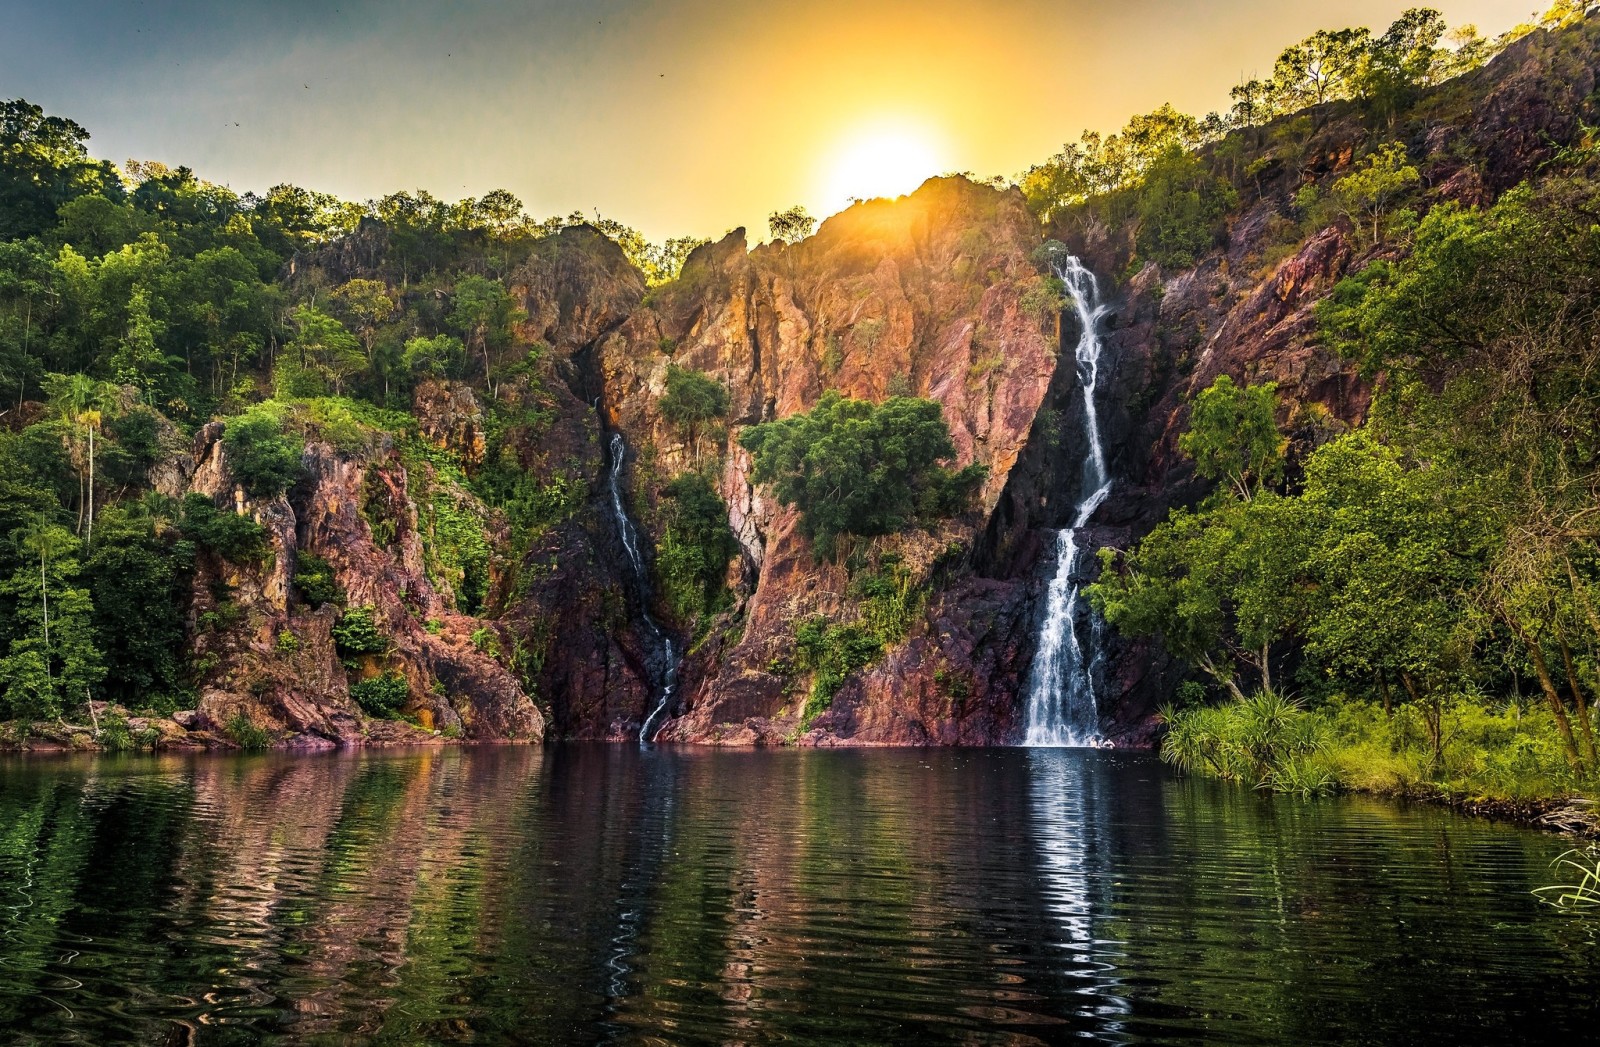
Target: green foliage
point(244, 733)
point(140, 574)
point(288, 642)
point(260, 456)
point(1181, 207)
point(692, 556)
point(452, 528)
point(691, 400)
point(442, 356)
point(1233, 435)
point(381, 696)
point(854, 467)
point(486, 640)
point(356, 633)
point(1265, 740)
point(831, 653)
point(51, 661)
point(314, 580)
point(222, 531)
point(1368, 194)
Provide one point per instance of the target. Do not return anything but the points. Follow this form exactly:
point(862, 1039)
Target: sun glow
point(880, 161)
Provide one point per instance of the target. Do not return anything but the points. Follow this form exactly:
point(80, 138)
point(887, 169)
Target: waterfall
point(665, 669)
point(1062, 710)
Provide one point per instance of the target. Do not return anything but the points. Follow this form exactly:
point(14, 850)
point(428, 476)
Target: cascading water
point(1062, 710)
point(666, 668)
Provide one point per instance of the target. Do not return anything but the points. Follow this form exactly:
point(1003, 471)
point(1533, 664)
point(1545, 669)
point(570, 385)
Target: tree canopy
point(856, 467)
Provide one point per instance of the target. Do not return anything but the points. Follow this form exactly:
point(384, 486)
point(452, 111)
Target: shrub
point(264, 461)
point(314, 581)
point(245, 734)
point(855, 467)
point(381, 696)
point(288, 642)
point(692, 399)
point(832, 652)
point(356, 633)
point(485, 640)
point(225, 533)
point(696, 545)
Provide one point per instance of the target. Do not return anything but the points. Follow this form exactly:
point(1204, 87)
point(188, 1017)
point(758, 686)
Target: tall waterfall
point(1061, 709)
point(665, 667)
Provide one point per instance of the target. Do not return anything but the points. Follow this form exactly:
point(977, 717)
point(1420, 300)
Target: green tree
point(484, 311)
point(855, 467)
point(692, 399)
point(792, 225)
point(1369, 193)
point(264, 460)
point(44, 163)
point(321, 357)
point(139, 576)
point(441, 356)
point(51, 660)
point(1233, 436)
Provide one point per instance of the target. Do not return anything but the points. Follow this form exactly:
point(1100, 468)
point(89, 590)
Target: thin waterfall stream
point(665, 669)
point(1062, 708)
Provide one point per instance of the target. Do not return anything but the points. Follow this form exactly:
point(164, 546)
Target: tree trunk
point(1579, 706)
point(1383, 689)
point(90, 539)
point(1432, 714)
point(1557, 706)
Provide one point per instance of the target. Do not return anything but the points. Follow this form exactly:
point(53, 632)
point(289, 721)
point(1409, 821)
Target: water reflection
point(603, 894)
point(1072, 821)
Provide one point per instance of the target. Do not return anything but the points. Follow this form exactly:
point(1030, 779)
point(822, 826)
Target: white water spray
point(667, 669)
point(1062, 710)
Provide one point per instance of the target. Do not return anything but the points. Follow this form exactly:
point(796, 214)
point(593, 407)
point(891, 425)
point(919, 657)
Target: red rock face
point(926, 296)
point(299, 692)
point(934, 295)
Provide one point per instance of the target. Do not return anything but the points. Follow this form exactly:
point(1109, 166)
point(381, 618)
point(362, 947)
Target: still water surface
point(588, 894)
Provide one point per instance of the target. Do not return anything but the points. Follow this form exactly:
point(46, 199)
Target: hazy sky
point(684, 116)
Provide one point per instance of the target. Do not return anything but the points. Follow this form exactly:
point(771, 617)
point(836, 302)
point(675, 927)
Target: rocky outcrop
point(270, 657)
point(933, 295)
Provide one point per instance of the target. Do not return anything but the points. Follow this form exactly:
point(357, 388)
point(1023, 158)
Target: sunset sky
point(682, 117)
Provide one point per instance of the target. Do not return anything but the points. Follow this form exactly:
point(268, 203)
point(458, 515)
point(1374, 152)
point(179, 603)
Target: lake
point(594, 893)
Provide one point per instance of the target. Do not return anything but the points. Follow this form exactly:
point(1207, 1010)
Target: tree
point(1181, 209)
point(692, 399)
point(485, 312)
point(1233, 436)
point(441, 356)
point(44, 163)
point(139, 575)
point(1369, 193)
point(51, 661)
point(855, 467)
point(792, 225)
point(260, 457)
point(366, 304)
point(319, 359)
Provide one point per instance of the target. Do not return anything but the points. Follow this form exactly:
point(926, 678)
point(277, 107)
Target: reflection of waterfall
point(1061, 701)
point(1070, 824)
point(664, 666)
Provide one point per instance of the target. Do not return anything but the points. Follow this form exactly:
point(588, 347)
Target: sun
point(882, 160)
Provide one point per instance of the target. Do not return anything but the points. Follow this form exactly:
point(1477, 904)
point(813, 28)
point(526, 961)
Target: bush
point(246, 735)
point(832, 652)
point(225, 533)
point(356, 633)
point(314, 581)
point(264, 461)
point(381, 696)
point(855, 467)
point(696, 545)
